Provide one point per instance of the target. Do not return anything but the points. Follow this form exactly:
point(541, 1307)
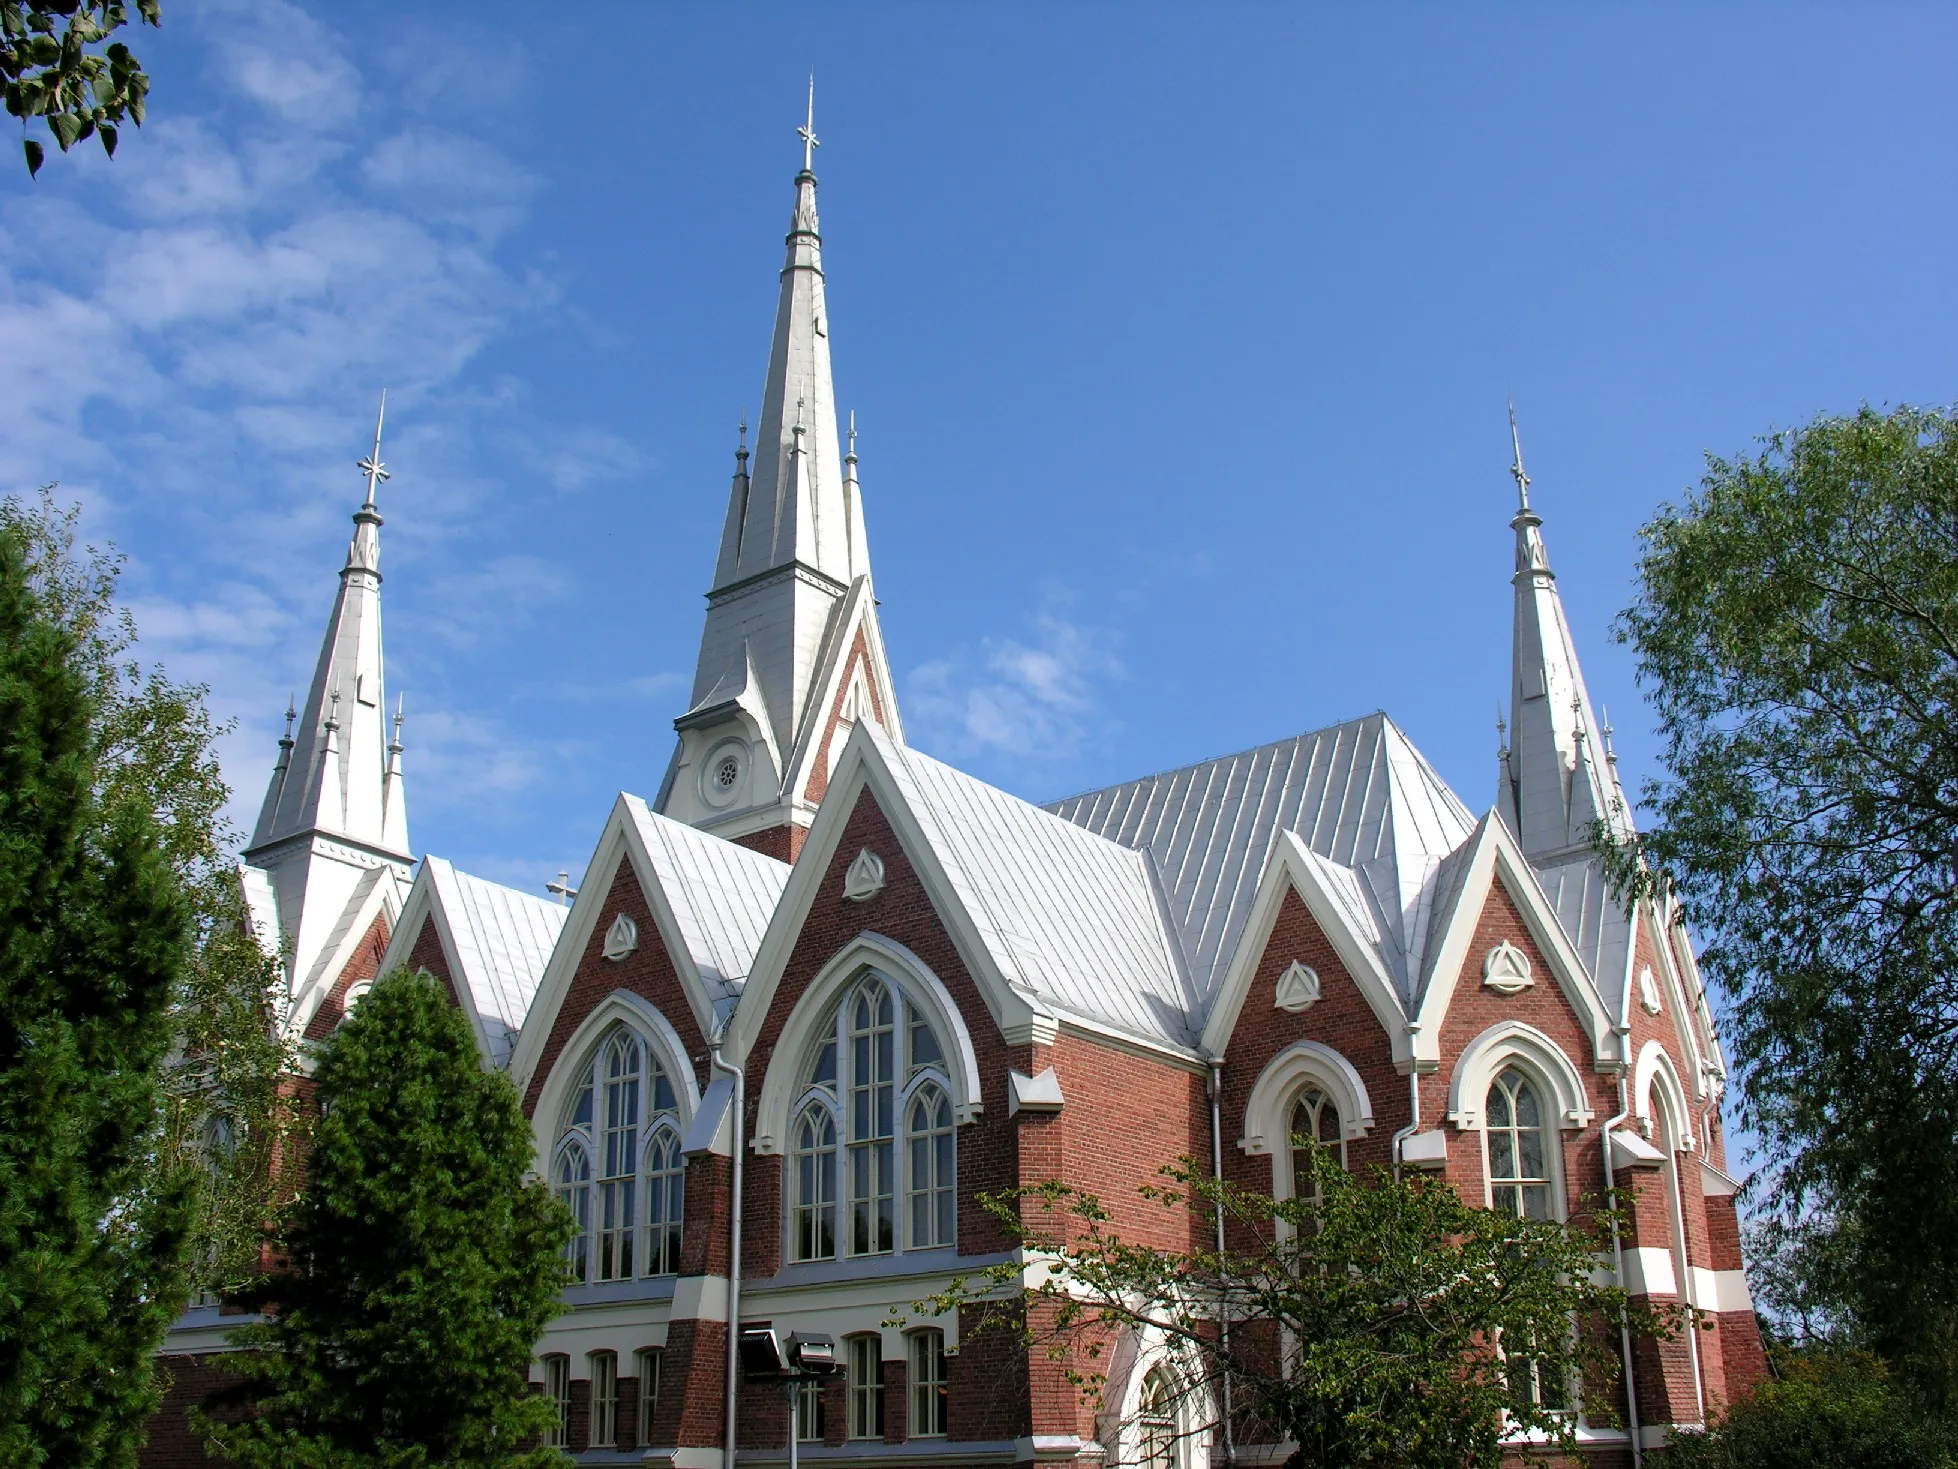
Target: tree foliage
point(49, 70)
point(224, 1123)
point(1796, 624)
point(94, 928)
point(421, 1266)
point(1826, 1410)
point(1372, 1322)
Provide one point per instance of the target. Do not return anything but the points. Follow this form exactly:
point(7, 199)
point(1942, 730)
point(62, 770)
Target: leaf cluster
point(1796, 625)
point(420, 1264)
point(1826, 1409)
point(48, 69)
point(94, 929)
point(1373, 1321)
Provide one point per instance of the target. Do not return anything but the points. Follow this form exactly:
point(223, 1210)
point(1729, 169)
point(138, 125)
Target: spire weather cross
point(371, 466)
point(807, 132)
point(1516, 465)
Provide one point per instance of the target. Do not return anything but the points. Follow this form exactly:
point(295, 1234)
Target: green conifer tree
point(421, 1265)
point(93, 932)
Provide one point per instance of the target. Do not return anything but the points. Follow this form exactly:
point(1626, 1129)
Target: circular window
point(722, 773)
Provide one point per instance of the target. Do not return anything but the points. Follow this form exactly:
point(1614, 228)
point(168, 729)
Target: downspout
point(734, 1252)
point(1217, 1172)
point(1618, 1263)
point(1413, 1104)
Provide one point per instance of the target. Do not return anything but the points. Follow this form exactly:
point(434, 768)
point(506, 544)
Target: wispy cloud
point(1034, 699)
point(210, 307)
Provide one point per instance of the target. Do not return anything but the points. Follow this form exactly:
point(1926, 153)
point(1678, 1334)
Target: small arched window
point(1314, 1115)
point(623, 1129)
point(666, 1175)
point(574, 1190)
point(876, 1059)
point(1157, 1442)
point(1518, 1158)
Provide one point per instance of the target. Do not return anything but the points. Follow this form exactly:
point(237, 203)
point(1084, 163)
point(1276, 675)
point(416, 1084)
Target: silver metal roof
point(1071, 917)
point(722, 897)
point(1358, 795)
point(503, 939)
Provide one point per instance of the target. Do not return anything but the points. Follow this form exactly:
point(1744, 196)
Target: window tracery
point(859, 1184)
point(619, 1166)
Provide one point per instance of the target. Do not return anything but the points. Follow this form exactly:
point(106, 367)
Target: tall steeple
point(335, 815)
point(1555, 780)
point(791, 618)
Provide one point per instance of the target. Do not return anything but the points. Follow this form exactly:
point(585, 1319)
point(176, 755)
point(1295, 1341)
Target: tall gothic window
point(1519, 1161)
point(1314, 1115)
point(876, 1062)
point(1157, 1442)
point(619, 1164)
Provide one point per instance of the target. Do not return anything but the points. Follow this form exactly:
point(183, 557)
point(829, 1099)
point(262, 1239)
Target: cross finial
point(333, 711)
point(807, 132)
point(853, 435)
point(1502, 735)
point(562, 887)
point(371, 466)
point(1516, 464)
point(291, 714)
point(400, 704)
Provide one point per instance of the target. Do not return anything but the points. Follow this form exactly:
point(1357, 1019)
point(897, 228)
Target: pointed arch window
point(1158, 1444)
point(860, 1186)
point(625, 1187)
point(1519, 1160)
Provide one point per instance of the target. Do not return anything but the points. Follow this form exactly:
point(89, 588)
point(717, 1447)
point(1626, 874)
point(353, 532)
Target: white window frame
point(866, 1387)
point(557, 1387)
point(598, 1253)
point(602, 1418)
point(930, 1397)
point(647, 1359)
point(838, 1098)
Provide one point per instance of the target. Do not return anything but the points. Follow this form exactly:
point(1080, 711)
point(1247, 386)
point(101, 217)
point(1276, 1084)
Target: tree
point(1796, 623)
point(1826, 1410)
point(93, 935)
point(1371, 1321)
point(152, 742)
point(420, 1265)
point(50, 72)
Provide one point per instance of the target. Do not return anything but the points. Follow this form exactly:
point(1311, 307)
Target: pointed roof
point(1375, 817)
point(1557, 783)
point(332, 775)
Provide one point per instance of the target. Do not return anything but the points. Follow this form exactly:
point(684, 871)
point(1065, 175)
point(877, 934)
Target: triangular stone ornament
point(865, 879)
point(1648, 990)
point(621, 938)
point(1298, 987)
point(1507, 969)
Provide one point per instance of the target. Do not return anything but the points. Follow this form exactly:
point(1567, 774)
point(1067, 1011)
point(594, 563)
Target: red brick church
point(821, 990)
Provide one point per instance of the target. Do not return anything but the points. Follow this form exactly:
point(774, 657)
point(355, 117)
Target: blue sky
point(1179, 338)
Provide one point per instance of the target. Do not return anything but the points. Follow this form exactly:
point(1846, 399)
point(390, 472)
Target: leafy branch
point(49, 70)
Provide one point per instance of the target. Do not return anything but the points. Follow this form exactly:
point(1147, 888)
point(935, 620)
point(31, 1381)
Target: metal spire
point(400, 703)
point(851, 457)
point(807, 132)
point(371, 466)
point(1516, 465)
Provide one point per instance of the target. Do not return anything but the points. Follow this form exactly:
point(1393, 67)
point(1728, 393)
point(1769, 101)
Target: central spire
point(790, 612)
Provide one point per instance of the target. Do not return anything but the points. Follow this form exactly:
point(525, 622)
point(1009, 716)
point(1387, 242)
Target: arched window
point(1157, 1443)
point(666, 1171)
point(929, 1128)
point(574, 1189)
point(1314, 1115)
point(875, 1060)
point(815, 1184)
point(1518, 1158)
point(623, 1131)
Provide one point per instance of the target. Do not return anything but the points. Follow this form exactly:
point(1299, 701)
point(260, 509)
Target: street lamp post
point(789, 1361)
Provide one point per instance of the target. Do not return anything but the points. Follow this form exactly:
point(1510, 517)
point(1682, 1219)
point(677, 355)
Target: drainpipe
point(1413, 1105)
point(1217, 1172)
point(734, 1253)
point(1618, 1262)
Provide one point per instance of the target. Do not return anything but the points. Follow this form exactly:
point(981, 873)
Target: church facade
point(821, 990)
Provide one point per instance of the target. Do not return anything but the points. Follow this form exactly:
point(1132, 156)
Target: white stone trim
point(1722, 1291)
point(1267, 1120)
point(1656, 1070)
point(639, 1015)
point(1650, 1271)
point(781, 1087)
point(1504, 1043)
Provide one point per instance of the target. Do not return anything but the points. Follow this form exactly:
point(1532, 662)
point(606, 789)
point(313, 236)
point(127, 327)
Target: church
point(819, 991)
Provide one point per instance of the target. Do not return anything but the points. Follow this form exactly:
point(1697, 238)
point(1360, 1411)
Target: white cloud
point(1032, 700)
